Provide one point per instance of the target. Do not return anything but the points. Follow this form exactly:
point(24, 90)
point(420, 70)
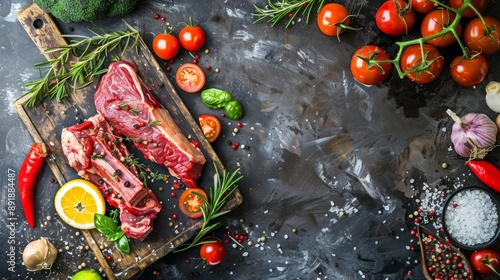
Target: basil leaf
point(234, 111)
point(115, 235)
point(123, 245)
point(104, 224)
point(215, 98)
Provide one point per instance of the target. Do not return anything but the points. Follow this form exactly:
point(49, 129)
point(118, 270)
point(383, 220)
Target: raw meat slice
point(98, 156)
point(126, 103)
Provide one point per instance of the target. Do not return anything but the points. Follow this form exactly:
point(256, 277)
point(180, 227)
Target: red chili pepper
point(89, 147)
point(82, 126)
point(26, 181)
point(487, 172)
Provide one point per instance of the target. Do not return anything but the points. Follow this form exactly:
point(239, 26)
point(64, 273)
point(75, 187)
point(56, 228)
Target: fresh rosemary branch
point(86, 58)
point(143, 170)
point(224, 187)
point(276, 11)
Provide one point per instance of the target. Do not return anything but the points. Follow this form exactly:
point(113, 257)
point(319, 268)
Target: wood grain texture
point(46, 120)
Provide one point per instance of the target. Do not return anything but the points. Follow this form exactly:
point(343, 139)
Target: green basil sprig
point(216, 99)
point(109, 226)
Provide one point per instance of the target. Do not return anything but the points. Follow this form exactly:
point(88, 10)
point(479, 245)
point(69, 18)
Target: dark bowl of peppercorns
point(471, 218)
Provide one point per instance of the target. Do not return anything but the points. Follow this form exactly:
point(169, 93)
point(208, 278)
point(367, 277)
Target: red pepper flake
point(195, 143)
point(455, 205)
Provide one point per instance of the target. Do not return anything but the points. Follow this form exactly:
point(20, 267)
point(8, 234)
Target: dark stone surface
point(342, 164)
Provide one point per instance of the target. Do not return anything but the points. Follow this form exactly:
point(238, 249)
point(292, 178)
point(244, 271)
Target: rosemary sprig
point(276, 11)
point(86, 58)
point(224, 187)
point(143, 170)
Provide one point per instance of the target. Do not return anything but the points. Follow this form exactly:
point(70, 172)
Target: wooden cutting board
point(46, 120)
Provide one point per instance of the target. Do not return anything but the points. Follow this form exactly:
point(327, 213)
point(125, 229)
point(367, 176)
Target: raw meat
point(126, 103)
point(98, 156)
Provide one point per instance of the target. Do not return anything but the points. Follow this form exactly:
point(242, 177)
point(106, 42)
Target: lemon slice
point(77, 201)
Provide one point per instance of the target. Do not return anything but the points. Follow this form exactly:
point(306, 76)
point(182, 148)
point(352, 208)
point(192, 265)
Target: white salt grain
point(471, 217)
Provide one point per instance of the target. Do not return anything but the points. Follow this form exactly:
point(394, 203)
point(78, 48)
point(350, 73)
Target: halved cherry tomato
point(329, 18)
point(373, 74)
point(476, 39)
point(192, 37)
point(411, 63)
point(191, 202)
point(422, 6)
point(395, 17)
point(165, 46)
point(190, 77)
point(480, 5)
point(434, 22)
point(210, 126)
point(469, 72)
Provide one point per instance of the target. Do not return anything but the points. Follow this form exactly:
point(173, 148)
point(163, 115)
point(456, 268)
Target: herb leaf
point(215, 98)
point(234, 110)
point(105, 224)
point(123, 245)
point(90, 53)
point(109, 227)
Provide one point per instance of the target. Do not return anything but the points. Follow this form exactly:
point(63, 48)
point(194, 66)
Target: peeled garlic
point(493, 96)
point(39, 254)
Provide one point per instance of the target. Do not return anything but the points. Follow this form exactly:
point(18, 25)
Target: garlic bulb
point(473, 135)
point(493, 96)
point(39, 254)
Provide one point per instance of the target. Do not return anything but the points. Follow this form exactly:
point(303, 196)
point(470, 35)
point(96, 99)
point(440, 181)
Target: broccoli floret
point(85, 10)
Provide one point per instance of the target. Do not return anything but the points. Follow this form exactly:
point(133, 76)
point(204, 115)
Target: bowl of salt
point(471, 218)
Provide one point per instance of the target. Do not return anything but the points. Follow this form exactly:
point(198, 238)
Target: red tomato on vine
point(434, 22)
point(165, 46)
point(481, 39)
point(365, 66)
point(422, 6)
point(480, 5)
point(332, 18)
point(469, 72)
point(422, 66)
point(395, 17)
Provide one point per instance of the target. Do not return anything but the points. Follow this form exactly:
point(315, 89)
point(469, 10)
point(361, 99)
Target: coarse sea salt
point(471, 217)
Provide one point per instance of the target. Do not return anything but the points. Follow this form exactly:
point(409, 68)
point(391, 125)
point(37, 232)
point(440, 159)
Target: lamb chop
point(126, 103)
point(99, 157)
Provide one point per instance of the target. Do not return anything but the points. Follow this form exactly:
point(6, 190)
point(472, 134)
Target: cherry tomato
point(477, 40)
point(480, 258)
point(374, 73)
point(480, 5)
point(192, 37)
point(165, 46)
point(411, 63)
point(469, 72)
point(190, 77)
point(422, 6)
point(329, 18)
point(395, 17)
point(191, 202)
point(434, 22)
point(213, 253)
point(210, 126)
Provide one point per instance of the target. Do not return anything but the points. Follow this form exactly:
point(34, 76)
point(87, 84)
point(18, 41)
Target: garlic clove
point(493, 96)
point(39, 254)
